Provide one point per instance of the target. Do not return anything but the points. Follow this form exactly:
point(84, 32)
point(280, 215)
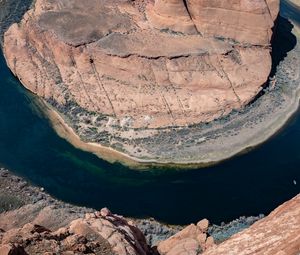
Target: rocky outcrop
point(191, 240)
point(276, 234)
point(96, 233)
point(116, 69)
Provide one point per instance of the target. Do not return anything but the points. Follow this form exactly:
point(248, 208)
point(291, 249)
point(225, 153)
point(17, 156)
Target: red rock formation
point(243, 20)
point(106, 57)
point(191, 240)
point(105, 233)
point(121, 69)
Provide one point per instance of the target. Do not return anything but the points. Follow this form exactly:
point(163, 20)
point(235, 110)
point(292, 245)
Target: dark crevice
point(190, 15)
point(283, 42)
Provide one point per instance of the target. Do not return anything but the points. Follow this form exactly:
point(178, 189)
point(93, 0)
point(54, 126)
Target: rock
point(33, 228)
point(103, 235)
point(96, 63)
point(9, 249)
point(105, 212)
point(190, 240)
point(203, 225)
point(209, 242)
point(172, 15)
point(278, 233)
point(243, 21)
point(156, 232)
point(6, 249)
point(93, 233)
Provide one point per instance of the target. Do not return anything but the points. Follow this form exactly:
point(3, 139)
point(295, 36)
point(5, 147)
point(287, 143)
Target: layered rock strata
point(118, 69)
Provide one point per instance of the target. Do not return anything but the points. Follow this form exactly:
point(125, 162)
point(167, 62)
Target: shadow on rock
point(283, 42)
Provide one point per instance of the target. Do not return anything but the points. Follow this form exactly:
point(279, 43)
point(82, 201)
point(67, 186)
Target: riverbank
point(205, 144)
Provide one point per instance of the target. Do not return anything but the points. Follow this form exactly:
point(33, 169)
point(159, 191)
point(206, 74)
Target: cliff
point(122, 69)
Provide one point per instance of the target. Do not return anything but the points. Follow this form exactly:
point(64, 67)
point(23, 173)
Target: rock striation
point(120, 68)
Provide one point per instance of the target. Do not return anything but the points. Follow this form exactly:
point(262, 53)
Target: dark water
point(250, 184)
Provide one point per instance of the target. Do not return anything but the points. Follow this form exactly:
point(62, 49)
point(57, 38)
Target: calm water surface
point(250, 184)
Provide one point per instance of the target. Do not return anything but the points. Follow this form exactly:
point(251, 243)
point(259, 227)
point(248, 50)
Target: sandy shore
point(248, 131)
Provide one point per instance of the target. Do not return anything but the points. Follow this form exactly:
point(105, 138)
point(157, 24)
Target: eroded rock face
point(142, 64)
point(244, 21)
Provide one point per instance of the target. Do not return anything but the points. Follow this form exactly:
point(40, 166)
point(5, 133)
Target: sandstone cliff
point(121, 68)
